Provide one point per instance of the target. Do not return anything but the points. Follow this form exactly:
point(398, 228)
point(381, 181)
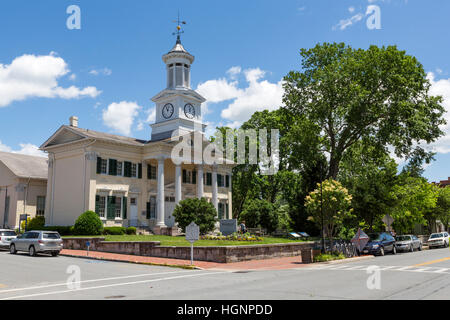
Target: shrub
point(88, 224)
point(22, 224)
point(114, 231)
point(131, 230)
point(260, 213)
point(328, 257)
point(37, 223)
point(196, 210)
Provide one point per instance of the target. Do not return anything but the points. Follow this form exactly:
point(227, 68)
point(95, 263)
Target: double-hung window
point(119, 168)
point(134, 170)
point(118, 208)
point(104, 166)
point(101, 206)
point(40, 206)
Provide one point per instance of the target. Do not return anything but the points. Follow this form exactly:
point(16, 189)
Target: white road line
point(403, 268)
point(93, 280)
point(442, 270)
point(110, 285)
point(424, 269)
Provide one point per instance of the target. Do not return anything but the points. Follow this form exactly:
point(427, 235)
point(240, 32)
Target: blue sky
point(107, 72)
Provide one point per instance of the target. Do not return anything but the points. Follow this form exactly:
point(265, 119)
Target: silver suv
point(6, 236)
point(35, 242)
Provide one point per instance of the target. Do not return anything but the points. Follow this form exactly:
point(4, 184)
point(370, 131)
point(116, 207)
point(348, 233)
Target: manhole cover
point(115, 297)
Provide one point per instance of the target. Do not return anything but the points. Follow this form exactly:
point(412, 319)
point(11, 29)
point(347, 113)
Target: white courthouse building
point(132, 182)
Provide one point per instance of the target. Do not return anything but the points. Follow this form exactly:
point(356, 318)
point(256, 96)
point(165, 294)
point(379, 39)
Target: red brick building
point(444, 183)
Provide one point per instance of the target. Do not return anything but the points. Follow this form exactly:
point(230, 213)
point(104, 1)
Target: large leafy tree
point(415, 200)
point(443, 207)
point(379, 96)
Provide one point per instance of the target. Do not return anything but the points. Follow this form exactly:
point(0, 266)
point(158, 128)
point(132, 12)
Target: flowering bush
point(233, 237)
point(334, 200)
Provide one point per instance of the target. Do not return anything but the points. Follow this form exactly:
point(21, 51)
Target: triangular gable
point(63, 136)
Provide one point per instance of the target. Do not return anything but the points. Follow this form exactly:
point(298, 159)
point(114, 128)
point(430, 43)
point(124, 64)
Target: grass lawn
point(181, 242)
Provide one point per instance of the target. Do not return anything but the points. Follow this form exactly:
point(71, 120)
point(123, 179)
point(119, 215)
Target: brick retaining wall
point(221, 254)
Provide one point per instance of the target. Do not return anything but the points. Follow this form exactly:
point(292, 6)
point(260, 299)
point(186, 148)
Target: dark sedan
point(379, 244)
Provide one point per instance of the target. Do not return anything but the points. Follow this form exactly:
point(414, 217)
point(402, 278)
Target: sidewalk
point(267, 264)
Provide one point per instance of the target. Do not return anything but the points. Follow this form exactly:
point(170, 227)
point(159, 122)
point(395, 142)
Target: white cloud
point(26, 148)
point(151, 118)
point(343, 24)
point(104, 71)
point(351, 9)
point(31, 76)
point(257, 96)
point(442, 88)
point(120, 116)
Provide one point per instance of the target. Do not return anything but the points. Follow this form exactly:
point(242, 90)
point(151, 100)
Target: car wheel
point(420, 248)
point(381, 251)
point(394, 250)
point(12, 249)
point(55, 253)
point(32, 251)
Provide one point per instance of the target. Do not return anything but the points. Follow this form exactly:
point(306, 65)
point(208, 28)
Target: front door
point(168, 211)
point(133, 211)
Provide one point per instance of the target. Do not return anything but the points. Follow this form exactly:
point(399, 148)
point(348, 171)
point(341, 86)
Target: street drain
point(243, 271)
point(115, 297)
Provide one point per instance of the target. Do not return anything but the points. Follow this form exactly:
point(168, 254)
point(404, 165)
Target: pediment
point(63, 136)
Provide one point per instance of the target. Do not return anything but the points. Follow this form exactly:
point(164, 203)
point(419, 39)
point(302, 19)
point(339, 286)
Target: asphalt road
point(418, 275)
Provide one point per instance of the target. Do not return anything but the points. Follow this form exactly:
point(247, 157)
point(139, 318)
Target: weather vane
point(179, 29)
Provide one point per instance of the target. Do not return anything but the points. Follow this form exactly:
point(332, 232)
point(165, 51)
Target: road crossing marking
point(386, 268)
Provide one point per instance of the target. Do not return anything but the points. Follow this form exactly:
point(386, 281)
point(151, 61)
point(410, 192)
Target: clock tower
point(178, 107)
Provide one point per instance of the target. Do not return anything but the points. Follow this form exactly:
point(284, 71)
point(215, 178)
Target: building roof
point(107, 136)
point(24, 166)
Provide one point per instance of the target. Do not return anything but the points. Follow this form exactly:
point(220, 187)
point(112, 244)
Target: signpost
point(192, 235)
point(88, 245)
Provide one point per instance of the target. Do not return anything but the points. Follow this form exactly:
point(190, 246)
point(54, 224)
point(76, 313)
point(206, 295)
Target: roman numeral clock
point(178, 107)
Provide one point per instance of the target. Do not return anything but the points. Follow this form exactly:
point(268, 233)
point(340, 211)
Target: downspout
point(25, 196)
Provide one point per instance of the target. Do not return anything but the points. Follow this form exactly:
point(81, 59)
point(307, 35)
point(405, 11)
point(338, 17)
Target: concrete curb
point(133, 262)
point(348, 260)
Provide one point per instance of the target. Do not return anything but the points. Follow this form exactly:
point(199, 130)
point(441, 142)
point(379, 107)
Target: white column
point(214, 189)
point(230, 198)
point(177, 184)
point(161, 197)
point(199, 181)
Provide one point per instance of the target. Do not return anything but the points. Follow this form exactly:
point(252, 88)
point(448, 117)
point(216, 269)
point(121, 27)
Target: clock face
point(189, 111)
point(167, 111)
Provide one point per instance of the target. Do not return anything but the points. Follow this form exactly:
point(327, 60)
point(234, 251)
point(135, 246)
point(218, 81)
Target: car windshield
point(436, 235)
point(51, 236)
point(7, 233)
point(403, 238)
point(375, 237)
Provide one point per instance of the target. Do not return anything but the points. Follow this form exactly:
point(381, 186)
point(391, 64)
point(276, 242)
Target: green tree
point(37, 223)
point(260, 213)
point(196, 210)
point(370, 175)
point(415, 200)
point(330, 202)
point(379, 96)
point(443, 207)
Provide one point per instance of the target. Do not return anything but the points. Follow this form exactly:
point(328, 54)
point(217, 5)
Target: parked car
point(440, 239)
point(6, 236)
point(35, 242)
point(380, 244)
point(408, 243)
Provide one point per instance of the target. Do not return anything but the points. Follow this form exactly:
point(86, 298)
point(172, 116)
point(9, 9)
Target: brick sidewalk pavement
point(268, 264)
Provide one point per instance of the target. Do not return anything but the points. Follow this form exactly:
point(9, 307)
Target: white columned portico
point(161, 200)
point(177, 183)
point(200, 181)
point(214, 188)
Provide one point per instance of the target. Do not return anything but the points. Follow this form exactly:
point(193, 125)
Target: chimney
point(73, 121)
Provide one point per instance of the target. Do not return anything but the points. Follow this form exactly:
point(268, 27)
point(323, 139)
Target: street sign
point(192, 235)
point(24, 217)
point(360, 240)
point(192, 232)
point(228, 226)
